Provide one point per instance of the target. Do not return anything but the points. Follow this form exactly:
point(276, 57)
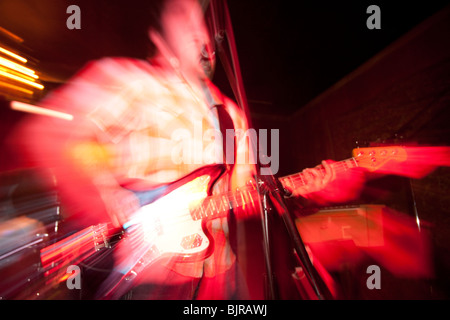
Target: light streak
point(18, 74)
point(11, 35)
point(17, 67)
point(13, 55)
point(25, 107)
point(20, 79)
point(11, 86)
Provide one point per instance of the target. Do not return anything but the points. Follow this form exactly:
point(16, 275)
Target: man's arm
point(81, 163)
point(325, 185)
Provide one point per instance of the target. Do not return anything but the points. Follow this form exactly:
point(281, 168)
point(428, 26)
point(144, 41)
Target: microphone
point(207, 60)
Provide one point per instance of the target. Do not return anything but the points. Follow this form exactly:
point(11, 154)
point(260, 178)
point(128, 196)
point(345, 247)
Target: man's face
point(185, 33)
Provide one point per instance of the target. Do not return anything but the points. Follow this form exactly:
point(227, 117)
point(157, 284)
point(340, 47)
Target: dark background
point(289, 51)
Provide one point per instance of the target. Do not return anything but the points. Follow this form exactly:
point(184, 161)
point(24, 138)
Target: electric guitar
point(171, 220)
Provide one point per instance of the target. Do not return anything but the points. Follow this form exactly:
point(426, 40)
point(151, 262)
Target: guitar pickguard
point(167, 223)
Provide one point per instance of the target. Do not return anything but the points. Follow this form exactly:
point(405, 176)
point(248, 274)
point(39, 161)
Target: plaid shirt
point(139, 112)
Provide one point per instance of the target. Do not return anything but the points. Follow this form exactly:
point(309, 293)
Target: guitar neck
point(219, 205)
point(300, 179)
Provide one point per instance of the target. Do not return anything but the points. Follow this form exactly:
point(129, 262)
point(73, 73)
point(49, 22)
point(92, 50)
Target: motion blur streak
point(418, 161)
point(25, 107)
point(13, 55)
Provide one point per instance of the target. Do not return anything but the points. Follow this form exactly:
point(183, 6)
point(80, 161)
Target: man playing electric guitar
point(143, 120)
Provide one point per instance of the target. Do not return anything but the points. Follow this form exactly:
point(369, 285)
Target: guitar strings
point(300, 178)
point(214, 206)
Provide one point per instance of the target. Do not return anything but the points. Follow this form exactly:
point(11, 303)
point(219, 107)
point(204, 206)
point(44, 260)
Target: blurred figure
point(330, 183)
point(130, 122)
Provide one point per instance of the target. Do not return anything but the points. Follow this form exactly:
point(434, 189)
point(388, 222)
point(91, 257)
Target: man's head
point(183, 34)
point(173, 29)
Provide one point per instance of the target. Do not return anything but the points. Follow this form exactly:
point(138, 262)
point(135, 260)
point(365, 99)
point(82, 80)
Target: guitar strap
point(226, 127)
point(224, 123)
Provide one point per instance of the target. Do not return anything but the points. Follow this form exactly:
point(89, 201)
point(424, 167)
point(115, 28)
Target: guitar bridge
point(100, 237)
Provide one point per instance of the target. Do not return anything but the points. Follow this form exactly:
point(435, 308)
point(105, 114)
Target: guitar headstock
point(377, 158)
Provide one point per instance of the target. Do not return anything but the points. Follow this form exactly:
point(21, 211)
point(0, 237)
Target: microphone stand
point(270, 188)
point(270, 287)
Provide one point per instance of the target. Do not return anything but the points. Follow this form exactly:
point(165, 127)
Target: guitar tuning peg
point(360, 143)
point(398, 137)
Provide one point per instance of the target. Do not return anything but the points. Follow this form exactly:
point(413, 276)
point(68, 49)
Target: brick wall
point(402, 93)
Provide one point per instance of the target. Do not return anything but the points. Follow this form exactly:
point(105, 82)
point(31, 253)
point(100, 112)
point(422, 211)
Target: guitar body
point(164, 228)
point(168, 223)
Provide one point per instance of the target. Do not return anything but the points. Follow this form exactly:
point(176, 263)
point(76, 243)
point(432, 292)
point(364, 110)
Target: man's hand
point(120, 204)
point(327, 184)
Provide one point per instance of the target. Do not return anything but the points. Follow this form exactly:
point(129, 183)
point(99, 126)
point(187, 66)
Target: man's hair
point(138, 17)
